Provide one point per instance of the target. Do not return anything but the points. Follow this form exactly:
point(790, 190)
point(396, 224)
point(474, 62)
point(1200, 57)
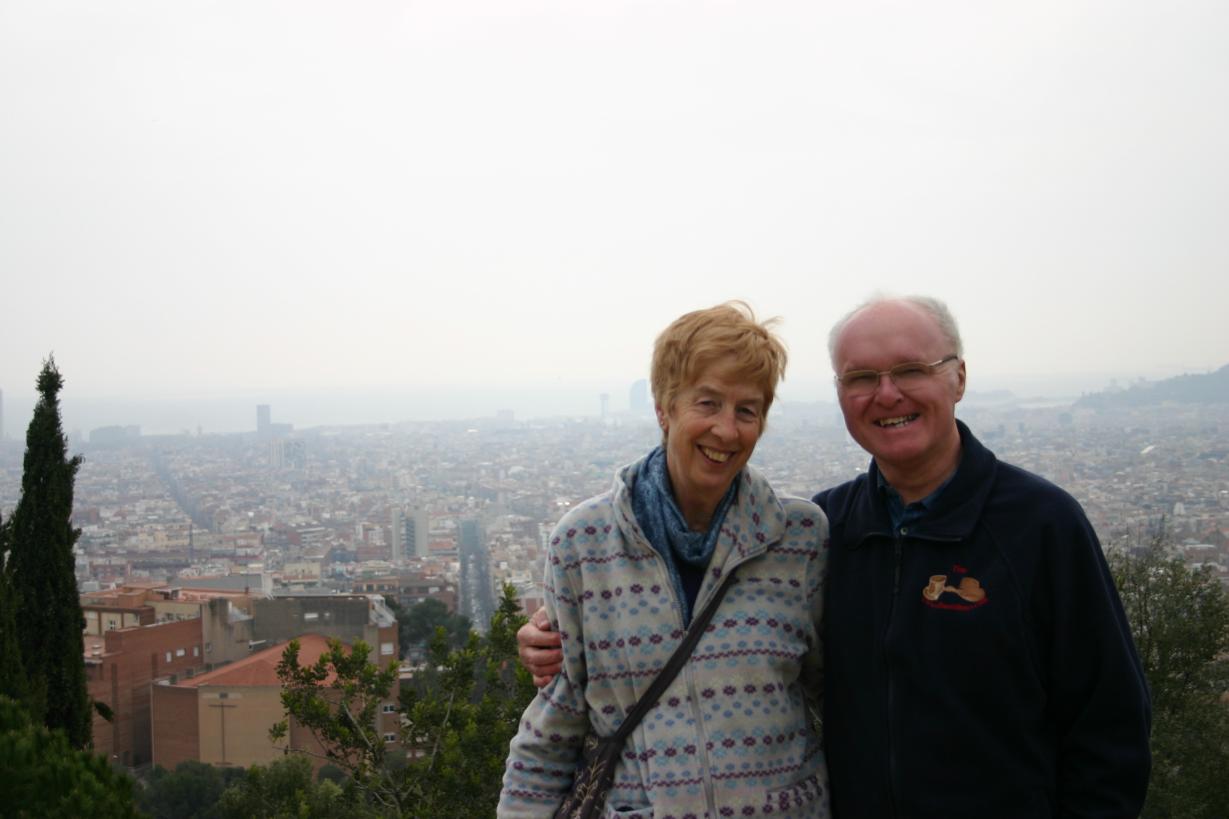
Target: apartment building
point(223, 717)
point(120, 667)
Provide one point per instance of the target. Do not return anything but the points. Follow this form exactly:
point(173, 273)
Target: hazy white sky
point(203, 199)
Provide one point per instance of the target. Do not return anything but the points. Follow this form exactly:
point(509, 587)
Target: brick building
point(121, 665)
point(140, 635)
point(223, 717)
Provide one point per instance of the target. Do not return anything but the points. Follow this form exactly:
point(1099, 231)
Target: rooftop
point(260, 668)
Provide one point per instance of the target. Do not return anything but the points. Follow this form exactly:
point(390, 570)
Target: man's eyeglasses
point(908, 376)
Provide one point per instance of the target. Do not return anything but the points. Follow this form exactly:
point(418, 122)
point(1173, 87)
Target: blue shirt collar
point(903, 516)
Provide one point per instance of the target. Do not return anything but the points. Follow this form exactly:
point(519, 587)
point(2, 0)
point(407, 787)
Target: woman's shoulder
point(801, 518)
point(598, 506)
point(587, 522)
point(804, 519)
point(800, 507)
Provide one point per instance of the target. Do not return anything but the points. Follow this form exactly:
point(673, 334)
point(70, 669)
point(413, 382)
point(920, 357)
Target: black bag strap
point(675, 664)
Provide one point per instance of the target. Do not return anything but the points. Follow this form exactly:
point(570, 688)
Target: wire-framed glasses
point(907, 376)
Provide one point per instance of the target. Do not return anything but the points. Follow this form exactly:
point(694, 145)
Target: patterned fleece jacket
point(731, 736)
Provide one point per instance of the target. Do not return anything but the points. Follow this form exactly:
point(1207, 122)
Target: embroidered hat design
point(970, 591)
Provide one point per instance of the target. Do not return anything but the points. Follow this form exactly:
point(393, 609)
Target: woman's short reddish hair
point(695, 340)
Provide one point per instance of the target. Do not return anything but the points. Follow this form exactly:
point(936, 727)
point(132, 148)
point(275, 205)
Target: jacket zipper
point(710, 797)
point(896, 554)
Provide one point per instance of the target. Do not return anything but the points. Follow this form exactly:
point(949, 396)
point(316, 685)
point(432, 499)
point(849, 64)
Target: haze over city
point(404, 211)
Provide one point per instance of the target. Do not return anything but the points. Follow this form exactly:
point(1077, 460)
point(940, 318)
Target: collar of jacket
point(955, 512)
point(754, 521)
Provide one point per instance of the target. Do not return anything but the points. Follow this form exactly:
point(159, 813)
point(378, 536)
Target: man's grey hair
point(931, 306)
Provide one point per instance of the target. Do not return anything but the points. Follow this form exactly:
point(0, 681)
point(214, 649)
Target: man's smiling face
point(908, 433)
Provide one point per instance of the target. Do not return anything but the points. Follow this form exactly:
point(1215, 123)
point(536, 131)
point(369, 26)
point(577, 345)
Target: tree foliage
point(417, 625)
point(195, 790)
point(338, 698)
point(457, 717)
point(285, 790)
point(41, 577)
point(44, 777)
point(191, 791)
point(12, 669)
point(1180, 621)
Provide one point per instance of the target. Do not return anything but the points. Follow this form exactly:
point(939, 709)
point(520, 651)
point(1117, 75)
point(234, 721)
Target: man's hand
point(540, 648)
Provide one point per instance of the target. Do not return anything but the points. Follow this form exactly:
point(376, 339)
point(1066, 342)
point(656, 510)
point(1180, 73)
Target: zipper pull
point(896, 570)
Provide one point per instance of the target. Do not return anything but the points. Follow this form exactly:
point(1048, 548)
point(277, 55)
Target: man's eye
point(863, 378)
point(913, 369)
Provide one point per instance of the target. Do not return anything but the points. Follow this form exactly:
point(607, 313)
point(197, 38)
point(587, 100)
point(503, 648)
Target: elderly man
point(978, 662)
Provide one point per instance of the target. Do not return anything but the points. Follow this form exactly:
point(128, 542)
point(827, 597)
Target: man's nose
point(887, 392)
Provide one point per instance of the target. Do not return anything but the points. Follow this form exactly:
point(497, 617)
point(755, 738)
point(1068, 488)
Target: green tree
point(457, 718)
point(44, 777)
point(1180, 621)
point(338, 699)
point(462, 713)
point(12, 670)
point(331, 773)
point(285, 790)
point(191, 791)
point(40, 566)
point(417, 624)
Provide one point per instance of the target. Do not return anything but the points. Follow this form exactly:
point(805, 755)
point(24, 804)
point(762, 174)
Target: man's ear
point(960, 378)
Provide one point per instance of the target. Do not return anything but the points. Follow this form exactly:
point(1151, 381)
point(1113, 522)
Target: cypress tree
point(41, 577)
point(12, 670)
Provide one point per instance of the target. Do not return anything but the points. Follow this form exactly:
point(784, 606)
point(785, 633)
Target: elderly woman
point(627, 570)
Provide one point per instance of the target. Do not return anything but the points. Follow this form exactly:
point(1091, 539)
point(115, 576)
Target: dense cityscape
point(201, 555)
point(327, 508)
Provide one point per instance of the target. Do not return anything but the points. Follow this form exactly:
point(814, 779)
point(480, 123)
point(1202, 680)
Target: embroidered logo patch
point(967, 594)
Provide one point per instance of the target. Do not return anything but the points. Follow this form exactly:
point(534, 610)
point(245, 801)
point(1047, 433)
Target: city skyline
point(234, 413)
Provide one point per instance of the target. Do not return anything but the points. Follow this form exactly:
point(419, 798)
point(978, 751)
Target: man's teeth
point(898, 421)
point(719, 457)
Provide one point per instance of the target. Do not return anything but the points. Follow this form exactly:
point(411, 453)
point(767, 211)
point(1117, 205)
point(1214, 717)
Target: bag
point(599, 756)
point(594, 776)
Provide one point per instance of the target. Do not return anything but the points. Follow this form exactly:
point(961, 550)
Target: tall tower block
point(417, 533)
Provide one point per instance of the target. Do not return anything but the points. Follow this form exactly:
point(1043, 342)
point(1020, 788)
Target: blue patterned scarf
point(663, 524)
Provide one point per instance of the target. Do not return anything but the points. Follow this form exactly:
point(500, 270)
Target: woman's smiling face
point(711, 430)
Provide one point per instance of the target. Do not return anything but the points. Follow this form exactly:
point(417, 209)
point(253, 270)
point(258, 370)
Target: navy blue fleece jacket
point(978, 662)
